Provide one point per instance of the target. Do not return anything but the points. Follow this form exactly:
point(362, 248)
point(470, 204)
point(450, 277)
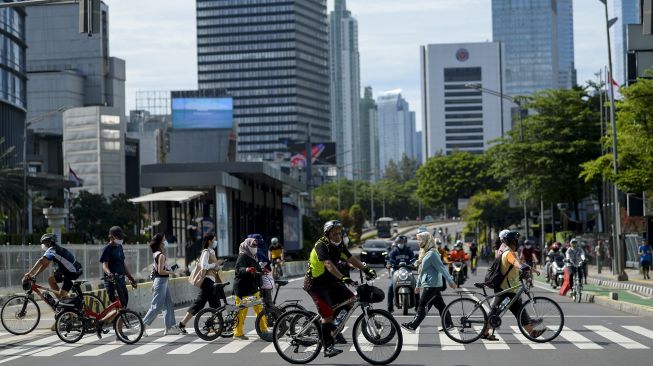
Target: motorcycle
point(458, 273)
point(557, 272)
point(404, 283)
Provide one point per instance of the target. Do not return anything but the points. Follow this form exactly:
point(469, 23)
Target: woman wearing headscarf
point(264, 262)
point(431, 272)
point(247, 282)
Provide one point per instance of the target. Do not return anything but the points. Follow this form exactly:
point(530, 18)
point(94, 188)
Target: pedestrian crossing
point(43, 344)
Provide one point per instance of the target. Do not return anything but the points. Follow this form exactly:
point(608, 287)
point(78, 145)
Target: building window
point(460, 74)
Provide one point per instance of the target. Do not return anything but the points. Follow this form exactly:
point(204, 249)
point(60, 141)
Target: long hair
point(207, 240)
point(156, 241)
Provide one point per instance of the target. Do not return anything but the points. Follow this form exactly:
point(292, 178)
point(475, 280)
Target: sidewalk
point(608, 280)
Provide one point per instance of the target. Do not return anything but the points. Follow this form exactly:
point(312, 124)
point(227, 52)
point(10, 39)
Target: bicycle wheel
point(297, 337)
point(93, 303)
point(543, 317)
point(69, 326)
point(265, 321)
point(229, 323)
point(377, 325)
point(128, 326)
point(466, 315)
point(290, 307)
point(208, 324)
point(20, 315)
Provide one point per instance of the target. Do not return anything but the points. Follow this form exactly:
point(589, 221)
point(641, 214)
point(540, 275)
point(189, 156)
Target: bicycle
point(210, 323)
point(277, 269)
point(72, 324)
point(577, 286)
point(474, 264)
point(299, 332)
point(21, 314)
point(473, 320)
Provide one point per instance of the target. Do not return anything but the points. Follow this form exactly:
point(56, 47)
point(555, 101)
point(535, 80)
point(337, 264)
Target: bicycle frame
point(523, 287)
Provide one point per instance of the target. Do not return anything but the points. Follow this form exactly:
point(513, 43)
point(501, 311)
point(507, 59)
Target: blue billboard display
point(202, 113)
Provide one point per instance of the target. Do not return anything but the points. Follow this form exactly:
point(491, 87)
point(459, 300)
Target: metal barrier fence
point(16, 260)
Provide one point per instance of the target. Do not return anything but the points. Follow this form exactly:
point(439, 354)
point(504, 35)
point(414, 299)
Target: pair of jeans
point(430, 296)
point(120, 289)
point(161, 302)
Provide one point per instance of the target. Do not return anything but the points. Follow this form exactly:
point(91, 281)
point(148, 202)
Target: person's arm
point(105, 269)
point(357, 263)
point(39, 267)
point(204, 261)
point(435, 261)
point(161, 266)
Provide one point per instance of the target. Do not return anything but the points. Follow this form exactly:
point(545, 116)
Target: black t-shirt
point(114, 255)
point(326, 251)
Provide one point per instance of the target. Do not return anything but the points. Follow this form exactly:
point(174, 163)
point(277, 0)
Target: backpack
point(494, 277)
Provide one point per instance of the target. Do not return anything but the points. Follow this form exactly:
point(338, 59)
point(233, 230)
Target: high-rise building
point(345, 91)
point(417, 150)
point(369, 136)
point(396, 128)
point(456, 115)
point(66, 69)
point(539, 43)
point(13, 81)
point(272, 57)
point(626, 12)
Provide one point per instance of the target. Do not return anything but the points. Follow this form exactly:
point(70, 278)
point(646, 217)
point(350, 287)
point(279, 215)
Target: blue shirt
point(646, 255)
point(432, 271)
point(115, 257)
point(63, 259)
point(397, 256)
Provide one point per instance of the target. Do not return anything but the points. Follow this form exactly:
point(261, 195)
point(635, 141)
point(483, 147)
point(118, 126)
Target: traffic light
point(89, 16)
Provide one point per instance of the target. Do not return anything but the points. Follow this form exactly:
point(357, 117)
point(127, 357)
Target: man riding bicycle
point(575, 257)
point(527, 254)
point(326, 283)
point(400, 253)
point(275, 254)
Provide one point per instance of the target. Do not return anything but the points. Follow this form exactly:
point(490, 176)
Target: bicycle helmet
point(401, 239)
point(509, 237)
point(52, 238)
point(329, 225)
point(274, 241)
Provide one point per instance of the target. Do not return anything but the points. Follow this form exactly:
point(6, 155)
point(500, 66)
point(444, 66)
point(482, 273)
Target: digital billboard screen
point(202, 113)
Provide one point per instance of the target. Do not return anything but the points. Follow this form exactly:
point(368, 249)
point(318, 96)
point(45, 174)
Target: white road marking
point(190, 347)
point(499, 344)
point(411, 340)
point(577, 339)
point(154, 345)
point(236, 344)
point(448, 344)
point(640, 330)
point(615, 337)
point(100, 350)
point(520, 337)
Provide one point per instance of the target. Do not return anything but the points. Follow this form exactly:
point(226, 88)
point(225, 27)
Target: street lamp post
point(618, 248)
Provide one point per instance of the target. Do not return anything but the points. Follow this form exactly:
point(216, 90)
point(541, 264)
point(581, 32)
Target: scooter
point(557, 272)
point(458, 273)
point(404, 283)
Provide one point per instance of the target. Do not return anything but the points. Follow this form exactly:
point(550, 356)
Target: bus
point(384, 227)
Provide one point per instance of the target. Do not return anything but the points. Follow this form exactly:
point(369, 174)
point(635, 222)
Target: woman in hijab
point(247, 282)
point(430, 275)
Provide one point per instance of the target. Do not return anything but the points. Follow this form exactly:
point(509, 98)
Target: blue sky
point(157, 40)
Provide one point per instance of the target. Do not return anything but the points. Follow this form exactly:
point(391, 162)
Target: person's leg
point(257, 310)
point(206, 288)
point(323, 304)
point(157, 304)
point(242, 316)
point(391, 294)
point(439, 304)
point(422, 308)
point(52, 281)
point(169, 306)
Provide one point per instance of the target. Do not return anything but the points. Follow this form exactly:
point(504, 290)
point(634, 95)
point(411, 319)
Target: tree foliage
point(93, 215)
point(634, 142)
point(492, 209)
point(358, 220)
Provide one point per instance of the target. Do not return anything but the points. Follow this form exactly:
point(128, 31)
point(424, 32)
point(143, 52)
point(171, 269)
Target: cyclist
point(458, 255)
point(575, 256)
point(276, 255)
point(67, 268)
point(114, 268)
point(325, 282)
point(527, 254)
point(400, 253)
point(473, 253)
point(443, 253)
point(510, 268)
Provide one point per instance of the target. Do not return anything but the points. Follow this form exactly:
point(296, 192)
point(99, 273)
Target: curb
point(644, 290)
point(622, 306)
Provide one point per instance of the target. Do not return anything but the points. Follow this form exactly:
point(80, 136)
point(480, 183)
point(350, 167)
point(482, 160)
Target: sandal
point(489, 337)
point(536, 333)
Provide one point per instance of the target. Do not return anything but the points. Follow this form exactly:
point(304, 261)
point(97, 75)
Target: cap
point(116, 232)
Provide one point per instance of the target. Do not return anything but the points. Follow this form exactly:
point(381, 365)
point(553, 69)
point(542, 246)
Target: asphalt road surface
point(593, 336)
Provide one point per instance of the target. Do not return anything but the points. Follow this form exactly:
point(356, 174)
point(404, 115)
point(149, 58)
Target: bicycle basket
point(370, 294)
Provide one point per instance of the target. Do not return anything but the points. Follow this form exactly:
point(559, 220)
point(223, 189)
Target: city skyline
point(385, 28)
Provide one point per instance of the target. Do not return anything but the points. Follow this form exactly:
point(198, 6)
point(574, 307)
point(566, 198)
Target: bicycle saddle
point(479, 284)
point(221, 285)
point(281, 282)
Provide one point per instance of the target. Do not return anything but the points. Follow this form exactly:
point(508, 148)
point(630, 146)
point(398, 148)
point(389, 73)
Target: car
point(428, 218)
point(414, 246)
point(422, 228)
point(374, 251)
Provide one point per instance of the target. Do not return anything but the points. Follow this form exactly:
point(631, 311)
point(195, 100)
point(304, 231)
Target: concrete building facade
point(369, 136)
point(627, 12)
point(396, 128)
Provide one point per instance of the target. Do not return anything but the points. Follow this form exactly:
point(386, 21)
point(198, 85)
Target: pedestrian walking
point(210, 263)
point(161, 297)
point(598, 251)
point(247, 282)
point(645, 258)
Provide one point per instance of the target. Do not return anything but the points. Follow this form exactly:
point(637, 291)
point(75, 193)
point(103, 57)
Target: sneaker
point(145, 333)
point(340, 339)
point(98, 329)
point(174, 330)
point(390, 309)
point(408, 326)
point(182, 328)
point(331, 351)
point(242, 337)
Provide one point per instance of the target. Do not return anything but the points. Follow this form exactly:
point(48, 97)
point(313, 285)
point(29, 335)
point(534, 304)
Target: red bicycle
point(21, 313)
point(72, 323)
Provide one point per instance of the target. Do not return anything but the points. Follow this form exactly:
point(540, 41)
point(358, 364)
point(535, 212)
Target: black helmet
point(49, 238)
point(401, 239)
point(509, 237)
point(329, 225)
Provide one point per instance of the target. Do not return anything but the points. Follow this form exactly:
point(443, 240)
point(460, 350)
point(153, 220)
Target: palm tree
point(11, 182)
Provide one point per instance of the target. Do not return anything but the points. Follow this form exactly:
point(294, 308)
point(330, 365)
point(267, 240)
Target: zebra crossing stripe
point(411, 340)
point(100, 350)
point(236, 344)
point(499, 344)
point(9, 359)
point(640, 330)
point(520, 337)
point(577, 339)
point(63, 347)
point(615, 337)
point(43, 341)
point(13, 351)
point(190, 348)
point(447, 344)
point(154, 345)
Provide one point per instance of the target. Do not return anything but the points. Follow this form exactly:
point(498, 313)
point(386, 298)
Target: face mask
point(337, 242)
point(253, 250)
point(215, 243)
point(401, 246)
point(527, 246)
point(119, 242)
point(44, 247)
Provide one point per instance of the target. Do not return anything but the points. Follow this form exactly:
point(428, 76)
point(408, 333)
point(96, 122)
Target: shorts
point(326, 298)
point(646, 265)
point(66, 277)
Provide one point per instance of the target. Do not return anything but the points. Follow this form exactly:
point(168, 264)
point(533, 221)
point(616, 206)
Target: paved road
point(593, 336)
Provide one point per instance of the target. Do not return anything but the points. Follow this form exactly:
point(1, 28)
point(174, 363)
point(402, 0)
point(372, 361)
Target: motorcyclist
point(575, 256)
point(443, 253)
point(527, 254)
point(553, 256)
point(400, 253)
point(458, 255)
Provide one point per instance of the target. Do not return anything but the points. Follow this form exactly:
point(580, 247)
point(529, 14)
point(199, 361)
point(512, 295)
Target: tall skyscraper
point(455, 115)
point(369, 136)
point(272, 57)
point(539, 43)
point(396, 128)
point(627, 12)
point(345, 91)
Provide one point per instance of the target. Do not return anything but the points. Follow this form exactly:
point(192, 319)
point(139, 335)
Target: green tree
point(11, 182)
point(445, 178)
point(491, 209)
point(392, 172)
point(358, 220)
point(345, 218)
point(124, 214)
point(634, 142)
point(327, 215)
point(90, 212)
